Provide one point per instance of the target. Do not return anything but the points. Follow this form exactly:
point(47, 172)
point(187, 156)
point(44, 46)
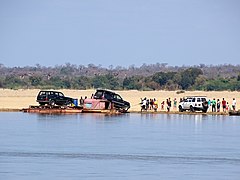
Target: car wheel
point(52, 103)
point(125, 108)
point(42, 104)
point(192, 109)
point(205, 105)
point(180, 109)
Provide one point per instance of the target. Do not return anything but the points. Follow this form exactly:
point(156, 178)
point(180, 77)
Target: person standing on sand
point(155, 105)
point(218, 105)
point(175, 103)
point(209, 104)
point(162, 105)
point(147, 105)
point(144, 104)
point(224, 105)
point(168, 104)
point(227, 107)
point(141, 103)
point(213, 105)
point(234, 103)
point(151, 104)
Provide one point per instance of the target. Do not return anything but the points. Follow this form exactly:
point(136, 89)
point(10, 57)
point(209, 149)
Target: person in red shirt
point(224, 104)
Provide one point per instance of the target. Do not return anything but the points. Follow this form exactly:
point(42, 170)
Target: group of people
point(216, 105)
point(152, 104)
point(81, 101)
point(149, 104)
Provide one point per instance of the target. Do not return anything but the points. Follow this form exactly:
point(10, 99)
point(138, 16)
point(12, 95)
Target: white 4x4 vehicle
point(194, 103)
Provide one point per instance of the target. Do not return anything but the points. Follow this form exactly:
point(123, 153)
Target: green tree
point(162, 77)
point(57, 82)
point(217, 85)
point(35, 80)
point(1, 83)
point(81, 82)
point(189, 77)
point(238, 78)
point(68, 69)
point(67, 84)
point(112, 82)
point(171, 86)
point(14, 82)
point(132, 83)
point(99, 81)
point(200, 82)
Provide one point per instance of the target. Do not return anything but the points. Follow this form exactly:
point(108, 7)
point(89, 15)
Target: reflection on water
point(129, 146)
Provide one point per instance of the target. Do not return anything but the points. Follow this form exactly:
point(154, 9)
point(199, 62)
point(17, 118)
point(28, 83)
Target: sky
point(119, 32)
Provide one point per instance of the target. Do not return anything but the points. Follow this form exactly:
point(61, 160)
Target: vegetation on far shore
point(147, 77)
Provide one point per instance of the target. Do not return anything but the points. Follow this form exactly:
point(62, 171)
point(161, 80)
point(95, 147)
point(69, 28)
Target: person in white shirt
point(234, 102)
point(144, 104)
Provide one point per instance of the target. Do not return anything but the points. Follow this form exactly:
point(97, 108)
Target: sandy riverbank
point(22, 98)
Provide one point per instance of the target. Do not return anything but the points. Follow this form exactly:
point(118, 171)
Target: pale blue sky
point(119, 32)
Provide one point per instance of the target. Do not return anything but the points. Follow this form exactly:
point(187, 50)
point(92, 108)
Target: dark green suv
point(53, 98)
point(113, 97)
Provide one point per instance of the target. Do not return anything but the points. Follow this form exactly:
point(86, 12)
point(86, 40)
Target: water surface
point(130, 146)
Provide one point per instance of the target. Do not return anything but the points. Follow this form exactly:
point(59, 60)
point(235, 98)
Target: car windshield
point(42, 93)
point(61, 94)
point(116, 96)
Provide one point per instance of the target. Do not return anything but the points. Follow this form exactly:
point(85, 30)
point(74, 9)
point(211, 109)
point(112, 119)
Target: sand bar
point(11, 100)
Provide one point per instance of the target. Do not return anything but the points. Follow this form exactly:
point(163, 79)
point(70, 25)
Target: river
point(129, 146)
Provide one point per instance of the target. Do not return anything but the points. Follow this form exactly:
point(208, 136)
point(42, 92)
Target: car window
point(60, 94)
point(116, 96)
point(107, 95)
point(194, 99)
point(203, 99)
point(198, 100)
point(98, 94)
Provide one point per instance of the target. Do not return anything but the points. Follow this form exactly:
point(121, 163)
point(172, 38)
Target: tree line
point(146, 77)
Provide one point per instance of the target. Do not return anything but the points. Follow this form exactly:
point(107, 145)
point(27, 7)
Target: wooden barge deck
point(52, 110)
point(66, 110)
